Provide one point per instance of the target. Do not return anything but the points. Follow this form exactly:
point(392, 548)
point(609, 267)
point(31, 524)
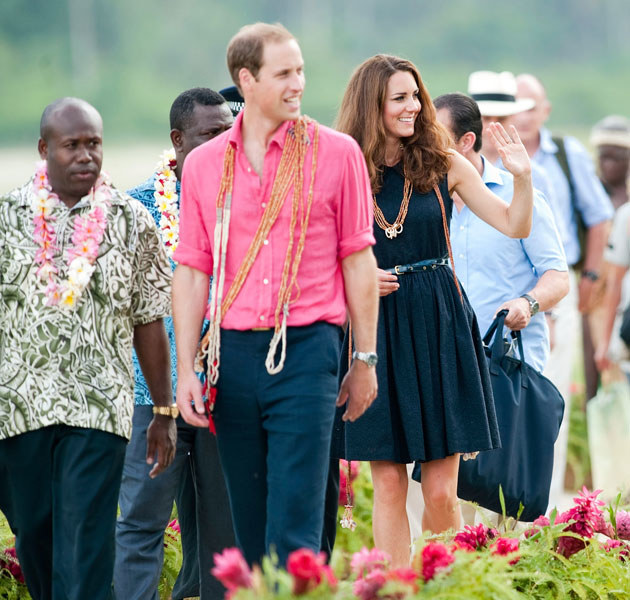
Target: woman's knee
point(441, 496)
point(390, 481)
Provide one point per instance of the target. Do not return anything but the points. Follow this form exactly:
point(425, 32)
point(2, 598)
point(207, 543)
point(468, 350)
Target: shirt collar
point(236, 132)
point(491, 174)
point(547, 145)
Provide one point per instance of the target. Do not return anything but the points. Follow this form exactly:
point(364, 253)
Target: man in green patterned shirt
point(83, 278)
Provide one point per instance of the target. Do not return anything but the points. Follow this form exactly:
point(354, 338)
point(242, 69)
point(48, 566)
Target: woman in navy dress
point(434, 400)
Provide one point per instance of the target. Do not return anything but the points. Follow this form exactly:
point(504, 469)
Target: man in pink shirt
point(293, 198)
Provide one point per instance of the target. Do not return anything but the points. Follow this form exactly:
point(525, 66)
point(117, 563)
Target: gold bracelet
point(170, 411)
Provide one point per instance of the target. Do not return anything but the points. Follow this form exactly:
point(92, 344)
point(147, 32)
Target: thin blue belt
point(422, 265)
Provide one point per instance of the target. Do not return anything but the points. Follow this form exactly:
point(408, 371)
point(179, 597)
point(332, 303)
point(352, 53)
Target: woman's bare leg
point(389, 515)
point(439, 488)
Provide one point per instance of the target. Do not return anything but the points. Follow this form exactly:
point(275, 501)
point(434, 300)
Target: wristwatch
point(369, 358)
point(169, 411)
point(592, 275)
point(534, 307)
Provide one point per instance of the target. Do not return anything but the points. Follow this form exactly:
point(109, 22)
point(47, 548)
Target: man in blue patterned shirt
point(195, 478)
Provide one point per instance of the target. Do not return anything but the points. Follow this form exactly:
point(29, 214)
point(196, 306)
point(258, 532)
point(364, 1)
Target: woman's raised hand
point(510, 149)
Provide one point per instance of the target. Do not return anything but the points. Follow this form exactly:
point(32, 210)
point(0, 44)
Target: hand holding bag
point(529, 413)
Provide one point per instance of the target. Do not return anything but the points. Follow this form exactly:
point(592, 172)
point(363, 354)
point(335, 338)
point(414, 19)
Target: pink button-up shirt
point(340, 224)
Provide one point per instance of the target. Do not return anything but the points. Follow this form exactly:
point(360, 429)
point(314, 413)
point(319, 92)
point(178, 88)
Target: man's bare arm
point(190, 298)
point(152, 348)
point(359, 386)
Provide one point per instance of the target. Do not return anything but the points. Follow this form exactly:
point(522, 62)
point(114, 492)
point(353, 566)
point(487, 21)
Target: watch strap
point(169, 411)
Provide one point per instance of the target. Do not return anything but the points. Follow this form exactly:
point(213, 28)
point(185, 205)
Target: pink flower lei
point(165, 195)
point(86, 238)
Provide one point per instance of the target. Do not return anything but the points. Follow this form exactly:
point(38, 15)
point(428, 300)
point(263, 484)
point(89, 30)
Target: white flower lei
point(165, 195)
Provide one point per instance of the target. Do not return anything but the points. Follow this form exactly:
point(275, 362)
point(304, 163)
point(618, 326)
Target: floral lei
point(165, 182)
point(86, 238)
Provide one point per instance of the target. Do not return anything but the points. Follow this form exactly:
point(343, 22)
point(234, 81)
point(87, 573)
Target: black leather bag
point(529, 412)
point(624, 330)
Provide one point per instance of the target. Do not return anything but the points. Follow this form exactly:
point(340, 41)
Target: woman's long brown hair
point(425, 154)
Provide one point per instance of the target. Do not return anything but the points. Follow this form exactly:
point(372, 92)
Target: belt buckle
point(396, 270)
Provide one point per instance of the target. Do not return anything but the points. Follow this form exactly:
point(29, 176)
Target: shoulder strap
point(447, 235)
point(563, 161)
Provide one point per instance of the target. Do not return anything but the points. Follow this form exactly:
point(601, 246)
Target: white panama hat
point(495, 93)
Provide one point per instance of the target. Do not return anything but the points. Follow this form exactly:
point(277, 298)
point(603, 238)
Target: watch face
point(372, 359)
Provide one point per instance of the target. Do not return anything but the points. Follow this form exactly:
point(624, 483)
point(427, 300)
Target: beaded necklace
point(290, 173)
point(86, 237)
point(165, 182)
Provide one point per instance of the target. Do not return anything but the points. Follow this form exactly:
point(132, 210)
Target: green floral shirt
point(74, 367)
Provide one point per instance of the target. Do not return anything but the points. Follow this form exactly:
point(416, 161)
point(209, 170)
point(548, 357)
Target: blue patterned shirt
point(144, 193)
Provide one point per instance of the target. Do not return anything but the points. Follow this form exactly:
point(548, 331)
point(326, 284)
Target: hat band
point(496, 97)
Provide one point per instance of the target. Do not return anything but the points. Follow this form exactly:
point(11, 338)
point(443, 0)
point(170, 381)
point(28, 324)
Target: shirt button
point(266, 242)
point(461, 228)
point(262, 317)
point(249, 169)
point(265, 281)
point(461, 256)
point(264, 204)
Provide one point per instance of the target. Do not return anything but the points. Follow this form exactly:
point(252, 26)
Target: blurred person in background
point(611, 138)
point(584, 211)
point(195, 478)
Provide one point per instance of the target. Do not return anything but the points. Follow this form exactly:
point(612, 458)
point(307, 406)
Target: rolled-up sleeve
point(151, 295)
point(194, 249)
point(544, 246)
point(355, 212)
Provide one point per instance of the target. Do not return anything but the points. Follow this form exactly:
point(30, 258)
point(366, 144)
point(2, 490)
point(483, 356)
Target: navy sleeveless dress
point(434, 393)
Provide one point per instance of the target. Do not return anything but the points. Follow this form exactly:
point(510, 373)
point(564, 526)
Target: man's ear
point(176, 139)
point(42, 148)
point(466, 142)
point(245, 79)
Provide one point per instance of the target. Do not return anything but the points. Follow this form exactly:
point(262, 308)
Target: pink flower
point(231, 569)
point(585, 514)
point(307, 569)
point(367, 560)
point(174, 525)
point(474, 538)
point(435, 557)
point(367, 588)
point(538, 523)
point(624, 553)
point(505, 547)
point(622, 521)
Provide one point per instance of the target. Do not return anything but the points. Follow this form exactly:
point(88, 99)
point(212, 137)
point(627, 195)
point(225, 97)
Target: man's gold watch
point(169, 411)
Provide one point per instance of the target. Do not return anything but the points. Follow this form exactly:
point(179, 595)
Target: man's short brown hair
point(245, 50)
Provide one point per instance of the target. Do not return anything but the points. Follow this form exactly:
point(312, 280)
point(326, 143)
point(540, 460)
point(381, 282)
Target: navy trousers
point(273, 434)
point(59, 490)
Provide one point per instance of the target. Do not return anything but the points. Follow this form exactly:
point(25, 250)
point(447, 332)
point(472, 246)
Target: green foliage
point(10, 588)
point(132, 59)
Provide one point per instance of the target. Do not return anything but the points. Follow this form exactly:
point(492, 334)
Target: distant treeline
point(131, 59)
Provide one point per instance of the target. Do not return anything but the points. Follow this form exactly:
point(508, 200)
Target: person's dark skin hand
point(161, 443)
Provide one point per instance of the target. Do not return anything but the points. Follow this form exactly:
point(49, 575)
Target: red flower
point(367, 588)
point(474, 538)
point(307, 570)
point(624, 553)
point(231, 569)
point(435, 557)
point(505, 547)
point(9, 561)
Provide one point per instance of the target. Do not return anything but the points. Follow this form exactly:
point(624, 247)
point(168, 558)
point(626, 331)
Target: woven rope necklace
point(290, 173)
point(394, 229)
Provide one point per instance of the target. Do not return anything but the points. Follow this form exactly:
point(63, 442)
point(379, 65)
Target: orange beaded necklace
point(290, 173)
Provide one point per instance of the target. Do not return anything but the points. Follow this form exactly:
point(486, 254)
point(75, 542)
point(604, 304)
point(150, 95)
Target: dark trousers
point(273, 433)
point(195, 481)
point(331, 509)
point(59, 491)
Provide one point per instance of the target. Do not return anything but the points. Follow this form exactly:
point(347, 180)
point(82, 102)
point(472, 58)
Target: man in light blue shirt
point(526, 276)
